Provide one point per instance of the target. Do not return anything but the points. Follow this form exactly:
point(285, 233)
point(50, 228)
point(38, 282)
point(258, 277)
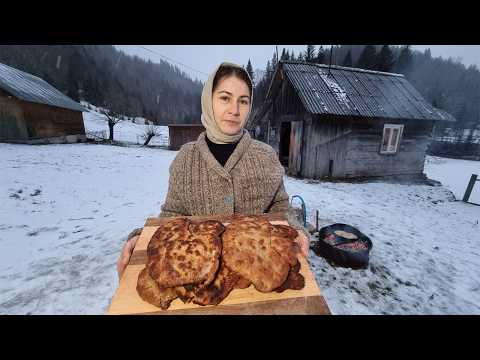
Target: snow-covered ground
point(426, 253)
point(454, 175)
point(67, 209)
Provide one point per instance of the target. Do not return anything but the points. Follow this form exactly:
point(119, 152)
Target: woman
point(225, 171)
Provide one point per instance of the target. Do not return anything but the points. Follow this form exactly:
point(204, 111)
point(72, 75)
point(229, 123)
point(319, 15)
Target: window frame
point(396, 146)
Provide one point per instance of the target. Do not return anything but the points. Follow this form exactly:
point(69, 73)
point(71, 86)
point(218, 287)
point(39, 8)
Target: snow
point(340, 94)
point(426, 253)
point(455, 175)
point(58, 249)
point(126, 131)
point(67, 209)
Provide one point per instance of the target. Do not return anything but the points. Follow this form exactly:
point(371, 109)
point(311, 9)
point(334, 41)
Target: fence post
point(469, 189)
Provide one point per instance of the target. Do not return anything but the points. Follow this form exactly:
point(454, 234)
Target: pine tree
point(250, 70)
point(385, 60)
point(367, 58)
point(347, 62)
point(310, 53)
point(284, 55)
point(268, 72)
point(405, 60)
point(320, 59)
point(274, 61)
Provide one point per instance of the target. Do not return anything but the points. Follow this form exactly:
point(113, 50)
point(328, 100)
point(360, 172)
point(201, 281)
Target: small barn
point(336, 122)
point(179, 134)
point(32, 111)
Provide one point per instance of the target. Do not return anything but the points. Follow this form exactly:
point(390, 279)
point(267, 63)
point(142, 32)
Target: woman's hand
point(304, 242)
point(125, 256)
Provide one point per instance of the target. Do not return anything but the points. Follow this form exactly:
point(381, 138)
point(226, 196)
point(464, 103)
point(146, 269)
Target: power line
point(264, 72)
point(189, 67)
point(171, 60)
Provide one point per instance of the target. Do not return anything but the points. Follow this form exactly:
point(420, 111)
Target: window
point(391, 138)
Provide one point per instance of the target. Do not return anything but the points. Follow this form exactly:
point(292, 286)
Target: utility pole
point(330, 62)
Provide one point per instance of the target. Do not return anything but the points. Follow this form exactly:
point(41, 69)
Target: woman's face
point(231, 104)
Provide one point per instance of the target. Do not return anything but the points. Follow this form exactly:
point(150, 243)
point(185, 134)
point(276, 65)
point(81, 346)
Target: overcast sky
point(199, 60)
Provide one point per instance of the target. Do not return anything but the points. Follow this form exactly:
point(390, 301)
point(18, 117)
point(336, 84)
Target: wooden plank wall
point(12, 125)
point(180, 135)
point(286, 107)
point(276, 126)
point(287, 101)
point(363, 156)
point(295, 151)
point(325, 139)
point(44, 121)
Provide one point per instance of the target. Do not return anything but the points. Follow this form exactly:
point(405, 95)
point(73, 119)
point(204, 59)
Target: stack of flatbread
point(202, 262)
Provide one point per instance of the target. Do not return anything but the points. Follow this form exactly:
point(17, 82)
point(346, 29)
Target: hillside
point(105, 76)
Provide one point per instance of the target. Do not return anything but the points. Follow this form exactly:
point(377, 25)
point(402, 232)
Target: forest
point(107, 77)
point(162, 93)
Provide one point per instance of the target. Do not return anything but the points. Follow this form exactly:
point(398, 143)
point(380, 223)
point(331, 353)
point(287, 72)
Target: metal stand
point(304, 209)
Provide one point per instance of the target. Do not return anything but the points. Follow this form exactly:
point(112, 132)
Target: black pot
point(357, 259)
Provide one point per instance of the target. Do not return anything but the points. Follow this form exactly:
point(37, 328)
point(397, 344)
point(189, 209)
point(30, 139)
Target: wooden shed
point(32, 111)
point(179, 134)
point(339, 122)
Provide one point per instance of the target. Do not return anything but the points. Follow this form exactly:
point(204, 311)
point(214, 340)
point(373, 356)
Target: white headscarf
point(214, 133)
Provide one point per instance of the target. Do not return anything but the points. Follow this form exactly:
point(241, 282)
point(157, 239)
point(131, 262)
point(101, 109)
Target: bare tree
point(113, 119)
point(150, 132)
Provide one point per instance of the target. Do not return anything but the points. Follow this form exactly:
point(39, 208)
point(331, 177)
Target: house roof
point(356, 92)
point(31, 88)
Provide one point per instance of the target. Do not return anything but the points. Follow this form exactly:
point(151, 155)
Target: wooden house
point(32, 111)
point(339, 122)
point(179, 134)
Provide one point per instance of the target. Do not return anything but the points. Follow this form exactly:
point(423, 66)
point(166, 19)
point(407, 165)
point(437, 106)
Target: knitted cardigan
point(251, 182)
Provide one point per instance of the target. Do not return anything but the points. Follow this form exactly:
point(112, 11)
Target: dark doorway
point(284, 146)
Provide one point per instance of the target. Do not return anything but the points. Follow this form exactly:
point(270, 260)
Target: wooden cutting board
point(126, 300)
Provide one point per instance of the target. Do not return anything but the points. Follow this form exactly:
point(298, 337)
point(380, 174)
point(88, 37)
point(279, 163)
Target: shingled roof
point(30, 88)
point(339, 90)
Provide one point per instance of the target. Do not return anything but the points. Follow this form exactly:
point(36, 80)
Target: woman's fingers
point(304, 243)
point(121, 265)
point(126, 255)
point(129, 246)
point(306, 247)
point(132, 242)
point(120, 268)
